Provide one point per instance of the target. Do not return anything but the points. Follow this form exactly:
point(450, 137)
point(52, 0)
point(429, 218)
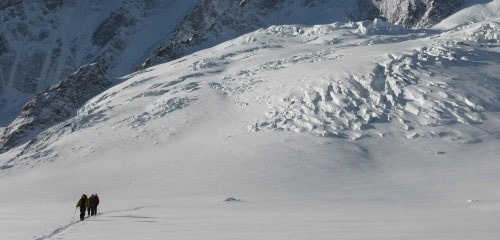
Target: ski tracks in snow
point(59, 231)
point(56, 231)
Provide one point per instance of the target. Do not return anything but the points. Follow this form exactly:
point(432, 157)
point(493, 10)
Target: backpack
point(83, 201)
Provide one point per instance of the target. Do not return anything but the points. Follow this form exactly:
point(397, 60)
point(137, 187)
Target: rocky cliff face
point(422, 13)
point(43, 42)
point(8, 3)
point(437, 10)
point(403, 12)
point(56, 104)
point(211, 22)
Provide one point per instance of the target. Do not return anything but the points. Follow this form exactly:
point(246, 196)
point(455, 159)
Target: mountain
point(344, 129)
point(416, 12)
point(213, 21)
point(57, 104)
point(42, 43)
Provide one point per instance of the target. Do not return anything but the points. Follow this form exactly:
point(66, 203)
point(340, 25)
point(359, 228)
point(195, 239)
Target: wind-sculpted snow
point(161, 109)
point(393, 91)
point(487, 33)
point(401, 89)
point(379, 27)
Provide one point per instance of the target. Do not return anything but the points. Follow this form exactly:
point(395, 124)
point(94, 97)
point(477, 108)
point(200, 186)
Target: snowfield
point(357, 130)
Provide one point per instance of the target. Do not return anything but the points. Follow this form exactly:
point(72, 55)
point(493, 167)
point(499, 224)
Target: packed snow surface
point(360, 130)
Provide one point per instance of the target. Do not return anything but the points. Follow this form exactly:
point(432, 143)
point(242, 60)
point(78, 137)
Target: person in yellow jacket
point(82, 204)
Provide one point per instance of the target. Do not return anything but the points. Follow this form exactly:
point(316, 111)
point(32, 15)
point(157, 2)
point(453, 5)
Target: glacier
point(331, 127)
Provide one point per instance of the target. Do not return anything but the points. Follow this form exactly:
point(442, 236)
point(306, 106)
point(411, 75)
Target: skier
point(94, 203)
point(82, 203)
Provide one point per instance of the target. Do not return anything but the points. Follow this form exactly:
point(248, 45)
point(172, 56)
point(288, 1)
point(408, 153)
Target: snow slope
point(44, 43)
point(359, 130)
point(472, 11)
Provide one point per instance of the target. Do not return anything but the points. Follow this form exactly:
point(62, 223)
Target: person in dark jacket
point(94, 202)
point(82, 204)
point(89, 207)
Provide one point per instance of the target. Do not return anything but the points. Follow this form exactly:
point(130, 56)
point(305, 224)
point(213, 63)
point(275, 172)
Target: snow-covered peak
point(365, 74)
point(369, 125)
point(64, 35)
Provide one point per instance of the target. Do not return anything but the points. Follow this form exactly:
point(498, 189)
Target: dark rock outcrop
point(43, 42)
point(437, 10)
point(212, 22)
point(422, 13)
point(55, 105)
point(8, 3)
